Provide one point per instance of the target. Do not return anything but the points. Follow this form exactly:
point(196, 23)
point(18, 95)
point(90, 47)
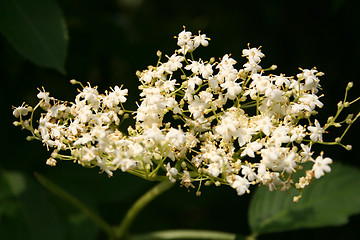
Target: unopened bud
point(126, 115)
point(338, 140)
point(54, 154)
point(158, 53)
point(330, 119)
point(350, 85)
point(73, 82)
point(273, 67)
point(212, 60)
point(183, 164)
point(16, 123)
point(207, 183)
point(346, 104)
point(348, 147)
point(30, 138)
point(176, 117)
point(217, 183)
point(348, 120)
point(340, 104)
point(296, 198)
point(198, 193)
point(51, 162)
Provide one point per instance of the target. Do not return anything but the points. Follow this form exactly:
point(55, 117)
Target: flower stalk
point(121, 230)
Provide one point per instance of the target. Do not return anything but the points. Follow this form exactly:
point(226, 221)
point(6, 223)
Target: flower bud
point(330, 119)
point(348, 120)
point(340, 104)
point(54, 154)
point(348, 147)
point(16, 123)
point(73, 82)
point(30, 138)
point(350, 85)
point(296, 198)
point(207, 183)
point(273, 67)
point(158, 53)
point(183, 164)
point(51, 162)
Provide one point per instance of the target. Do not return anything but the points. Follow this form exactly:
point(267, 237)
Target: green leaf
point(329, 201)
point(32, 216)
point(37, 30)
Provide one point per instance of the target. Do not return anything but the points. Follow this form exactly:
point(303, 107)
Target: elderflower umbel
point(218, 124)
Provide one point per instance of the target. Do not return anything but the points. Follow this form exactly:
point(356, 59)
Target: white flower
point(289, 162)
point(193, 81)
point(174, 63)
point(201, 39)
point(306, 152)
point(21, 111)
point(263, 123)
point(213, 169)
point(84, 139)
point(311, 80)
point(44, 95)
point(195, 66)
point(251, 148)
point(248, 171)
point(316, 132)
point(171, 172)
point(253, 54)
point(311, 100)
point(197, 107)
point(186, 180)
point(280, 80)
point(118, 95)
point(176, 138)
point(105, 166)
point(321, 165)
point(184, 38)
point(280, 135)
point(239, 183)
point(233, 89)
point(206, 70)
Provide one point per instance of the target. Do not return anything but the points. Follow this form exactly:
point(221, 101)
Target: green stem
point(144, 200)
point(185, 234)
point(97, 220)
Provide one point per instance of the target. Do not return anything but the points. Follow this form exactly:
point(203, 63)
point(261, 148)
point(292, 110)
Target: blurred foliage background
point(109, 41)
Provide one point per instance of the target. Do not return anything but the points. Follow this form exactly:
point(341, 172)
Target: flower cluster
point(198, 122)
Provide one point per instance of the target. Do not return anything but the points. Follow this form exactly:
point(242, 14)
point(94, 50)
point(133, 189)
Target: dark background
point(110, 40)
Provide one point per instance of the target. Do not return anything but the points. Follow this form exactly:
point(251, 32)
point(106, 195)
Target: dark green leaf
point(36, 29)
point(36, 217)
point(329, 201)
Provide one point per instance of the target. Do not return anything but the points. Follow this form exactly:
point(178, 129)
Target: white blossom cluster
point(198, 122)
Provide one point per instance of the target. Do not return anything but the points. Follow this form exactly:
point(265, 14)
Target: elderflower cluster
point(197, 121)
